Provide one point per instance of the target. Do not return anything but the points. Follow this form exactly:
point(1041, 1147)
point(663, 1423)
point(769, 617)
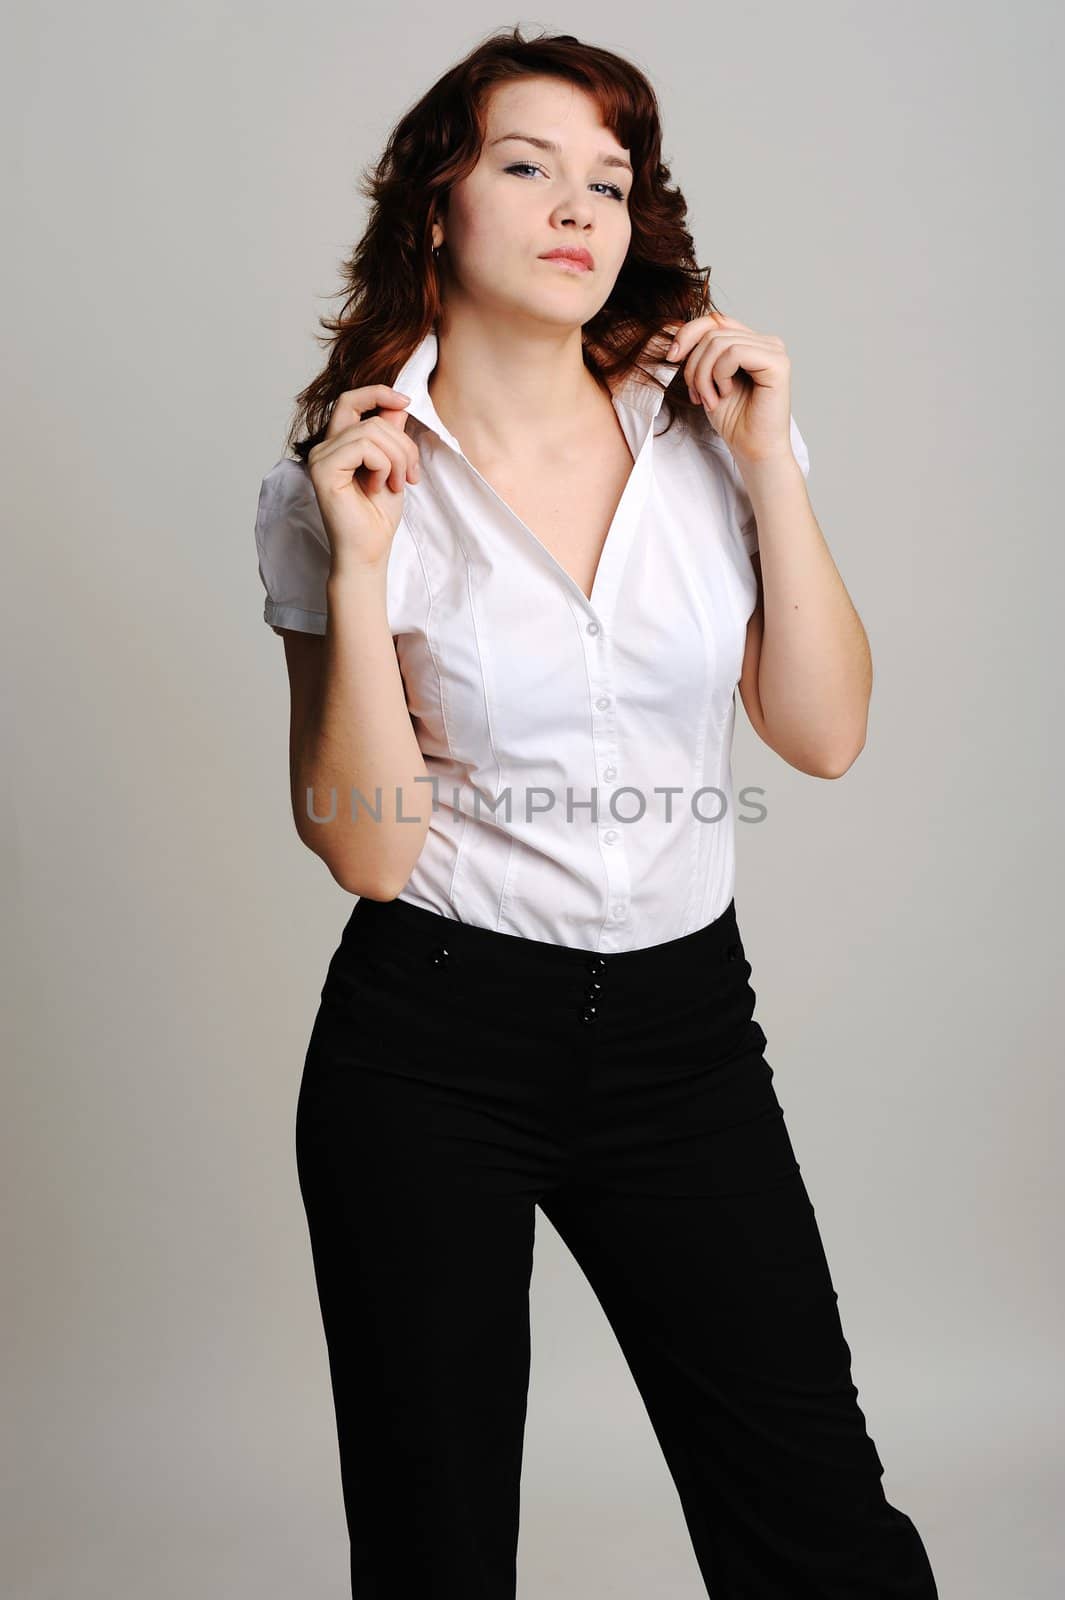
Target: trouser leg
point(423, 1284)
point(715, 1281)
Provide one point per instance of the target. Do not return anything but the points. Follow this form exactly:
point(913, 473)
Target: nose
point(576, 210)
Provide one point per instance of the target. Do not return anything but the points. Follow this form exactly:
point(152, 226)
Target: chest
point(569, 507)
point(510, 668)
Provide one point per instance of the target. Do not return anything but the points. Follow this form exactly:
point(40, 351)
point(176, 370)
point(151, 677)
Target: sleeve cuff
point(280, 616)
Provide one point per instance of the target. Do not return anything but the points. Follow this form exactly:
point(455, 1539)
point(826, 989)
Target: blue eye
point(531, 166)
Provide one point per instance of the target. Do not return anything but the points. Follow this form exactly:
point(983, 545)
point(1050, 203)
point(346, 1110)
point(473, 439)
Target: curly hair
point(391, 283)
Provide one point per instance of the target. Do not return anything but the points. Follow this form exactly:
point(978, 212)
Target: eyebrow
point(605, 157)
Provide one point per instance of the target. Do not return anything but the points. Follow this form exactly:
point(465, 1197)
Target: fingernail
point(671, 352)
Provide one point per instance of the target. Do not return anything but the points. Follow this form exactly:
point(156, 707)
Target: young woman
point(516, 610)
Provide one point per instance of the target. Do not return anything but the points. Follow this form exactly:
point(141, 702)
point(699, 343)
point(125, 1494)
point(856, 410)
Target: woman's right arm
point(352, 748)
point(350, 730)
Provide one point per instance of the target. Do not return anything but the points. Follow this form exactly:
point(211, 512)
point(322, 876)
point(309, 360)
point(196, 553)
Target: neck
point(506, 389)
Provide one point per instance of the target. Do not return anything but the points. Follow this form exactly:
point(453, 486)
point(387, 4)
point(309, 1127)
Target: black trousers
point(456, 1079)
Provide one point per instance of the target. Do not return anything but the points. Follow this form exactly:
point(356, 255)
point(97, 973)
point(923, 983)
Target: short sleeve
point(293, 548)
point(745, 518)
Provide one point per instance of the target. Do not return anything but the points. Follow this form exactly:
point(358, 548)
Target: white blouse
point(582, 747)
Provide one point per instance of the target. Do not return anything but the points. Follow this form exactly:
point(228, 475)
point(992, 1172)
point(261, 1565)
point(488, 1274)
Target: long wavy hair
point(391, 283)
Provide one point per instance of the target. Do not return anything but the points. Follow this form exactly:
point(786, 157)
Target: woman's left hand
point(743, 380)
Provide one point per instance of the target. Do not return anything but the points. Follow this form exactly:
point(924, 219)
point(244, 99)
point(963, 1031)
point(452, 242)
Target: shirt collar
point(414, 375)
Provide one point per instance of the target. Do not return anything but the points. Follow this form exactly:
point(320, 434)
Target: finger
point(378, 464)
point(724, 370)
point(754, 356)
point(394, 446)
point(397, 420)
point(692, 333)
point(701, 390)
point(701, 374)
point(353, 403)
point(720, 357)
point(698, 373)
point(333, 466)
point(731, 322)
point(391, 426)
point(334, 461)
point(687, 336)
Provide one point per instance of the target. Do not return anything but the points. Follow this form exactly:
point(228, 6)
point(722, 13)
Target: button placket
point(604, 742)
point(640, 432)
point(604, 732)
point(593, 994)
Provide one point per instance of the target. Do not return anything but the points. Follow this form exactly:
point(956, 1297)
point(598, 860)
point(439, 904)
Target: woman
point(513, 663)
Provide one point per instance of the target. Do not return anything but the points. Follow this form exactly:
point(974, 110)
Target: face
point(522, 200)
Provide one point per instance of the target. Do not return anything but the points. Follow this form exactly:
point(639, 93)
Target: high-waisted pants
point(457, 1078)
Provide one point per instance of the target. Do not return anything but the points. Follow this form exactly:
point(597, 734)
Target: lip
point(576, 259)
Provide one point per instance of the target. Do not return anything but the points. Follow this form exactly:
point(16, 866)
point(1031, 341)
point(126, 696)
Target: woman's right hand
point(358, 471)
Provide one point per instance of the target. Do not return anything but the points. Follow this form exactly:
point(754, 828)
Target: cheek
point(485, 220)
point(500, 238)
point(612, 251)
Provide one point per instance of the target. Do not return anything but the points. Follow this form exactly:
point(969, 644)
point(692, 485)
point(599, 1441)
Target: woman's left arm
point(807, 672)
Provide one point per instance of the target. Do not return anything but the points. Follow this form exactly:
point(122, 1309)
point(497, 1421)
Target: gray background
point(874, 184)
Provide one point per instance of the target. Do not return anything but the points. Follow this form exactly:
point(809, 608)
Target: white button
point(619, 911)
point(593, 627)
point(610, 835)
point(603, 702)
point(611, 772)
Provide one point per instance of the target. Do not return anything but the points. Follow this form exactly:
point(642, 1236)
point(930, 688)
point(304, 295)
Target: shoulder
point(715, 451)
point(287, 501)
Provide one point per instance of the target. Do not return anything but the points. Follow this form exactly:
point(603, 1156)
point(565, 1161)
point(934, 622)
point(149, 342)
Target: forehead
point(551, 107)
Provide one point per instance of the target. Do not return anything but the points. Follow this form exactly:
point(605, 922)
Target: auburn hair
point(391, 283)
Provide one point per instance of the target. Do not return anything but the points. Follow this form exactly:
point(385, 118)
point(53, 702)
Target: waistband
point(428, 936)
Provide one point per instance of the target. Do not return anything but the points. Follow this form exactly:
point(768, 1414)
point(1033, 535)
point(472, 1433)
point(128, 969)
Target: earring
point(436, 251)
